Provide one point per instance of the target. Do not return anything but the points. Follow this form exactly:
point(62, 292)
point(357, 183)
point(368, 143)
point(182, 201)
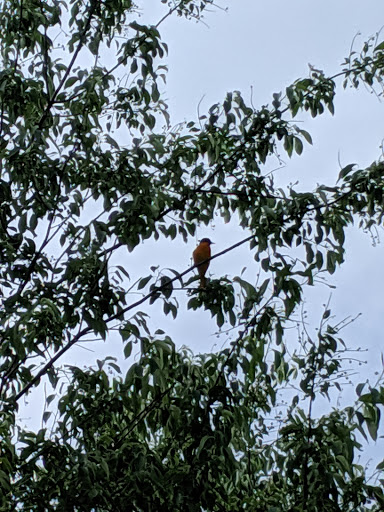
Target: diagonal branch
point(86, 330)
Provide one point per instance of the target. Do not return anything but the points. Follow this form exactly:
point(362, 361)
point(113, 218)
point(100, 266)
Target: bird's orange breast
point(201, 253)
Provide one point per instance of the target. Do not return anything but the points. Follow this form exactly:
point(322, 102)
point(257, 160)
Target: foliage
point(176, 431)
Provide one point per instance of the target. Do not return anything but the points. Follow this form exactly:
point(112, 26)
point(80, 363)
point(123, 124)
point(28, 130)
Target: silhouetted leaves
point(91, 170)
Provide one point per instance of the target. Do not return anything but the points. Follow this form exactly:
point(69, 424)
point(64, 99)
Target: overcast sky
point(260, 48)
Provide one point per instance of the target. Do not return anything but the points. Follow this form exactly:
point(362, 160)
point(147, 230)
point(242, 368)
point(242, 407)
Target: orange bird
point(200, 255)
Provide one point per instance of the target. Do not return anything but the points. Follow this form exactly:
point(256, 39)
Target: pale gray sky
point(265, 46)
point(260, 48)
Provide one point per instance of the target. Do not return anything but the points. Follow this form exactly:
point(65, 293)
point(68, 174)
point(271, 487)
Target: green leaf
point(360, 387)
point(72, 80)
point(306, 136)
point(202, 444)
point(143, 282)
point(298, 146)
point(49, 399)
point(105, 468)
point(134, 66)
point(46, 416)
point(127, 349)
point(379, 47)
point(111, 141)
point(345, 171)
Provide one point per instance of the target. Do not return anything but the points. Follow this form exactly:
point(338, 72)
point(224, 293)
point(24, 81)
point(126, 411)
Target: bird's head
point(206, 241)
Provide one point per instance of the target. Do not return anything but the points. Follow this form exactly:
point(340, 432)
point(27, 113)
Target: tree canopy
point(91, 168)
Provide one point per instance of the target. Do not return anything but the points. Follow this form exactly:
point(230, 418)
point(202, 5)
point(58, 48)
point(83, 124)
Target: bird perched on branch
point(200, 255)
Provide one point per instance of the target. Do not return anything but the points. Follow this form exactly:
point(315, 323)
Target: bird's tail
point(203, 282)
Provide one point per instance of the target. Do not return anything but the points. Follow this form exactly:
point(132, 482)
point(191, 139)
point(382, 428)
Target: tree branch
point(70, 65)
point(86, 330)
